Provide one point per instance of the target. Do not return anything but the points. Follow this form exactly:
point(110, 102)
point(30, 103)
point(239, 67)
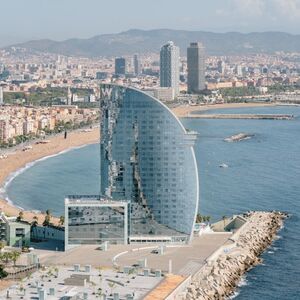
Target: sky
point(22, 20)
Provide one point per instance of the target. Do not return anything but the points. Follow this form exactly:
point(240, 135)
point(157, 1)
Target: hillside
point(142, 41)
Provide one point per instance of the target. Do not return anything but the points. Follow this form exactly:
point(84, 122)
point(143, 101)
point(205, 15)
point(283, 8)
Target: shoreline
point(225, 270)
point(18, 161)
point(184, 111)
point(6, 183)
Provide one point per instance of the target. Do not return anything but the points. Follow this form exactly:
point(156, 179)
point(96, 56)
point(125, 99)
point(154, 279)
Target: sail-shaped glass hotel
point(148, 161)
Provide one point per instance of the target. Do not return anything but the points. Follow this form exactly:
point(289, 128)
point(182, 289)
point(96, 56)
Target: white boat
point(223, 165)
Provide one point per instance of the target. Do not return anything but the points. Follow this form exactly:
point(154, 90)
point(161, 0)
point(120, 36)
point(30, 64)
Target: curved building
point(147, 158)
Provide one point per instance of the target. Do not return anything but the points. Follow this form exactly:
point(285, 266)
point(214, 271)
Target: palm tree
point(224, 219)
point(47, 218)
point(20, 216)
point(199, 218)
point(35, 221)
point(61, 220)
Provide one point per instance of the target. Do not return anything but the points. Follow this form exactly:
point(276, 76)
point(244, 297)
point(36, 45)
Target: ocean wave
point(9, 179)
point(243, 282)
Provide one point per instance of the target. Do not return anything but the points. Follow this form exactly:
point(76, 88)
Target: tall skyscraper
point(196, 67)
point(120, 66)
point(169, 67)
point(69, 97)
point(1, 95)
point(147, 158)
point(221, 67)
point(136, 64)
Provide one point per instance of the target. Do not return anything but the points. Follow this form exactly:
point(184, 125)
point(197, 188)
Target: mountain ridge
point(143, 41)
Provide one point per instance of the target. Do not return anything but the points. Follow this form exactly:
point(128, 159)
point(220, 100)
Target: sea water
point(263, 174)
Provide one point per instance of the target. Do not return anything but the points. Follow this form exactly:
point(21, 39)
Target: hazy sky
point(61, 19)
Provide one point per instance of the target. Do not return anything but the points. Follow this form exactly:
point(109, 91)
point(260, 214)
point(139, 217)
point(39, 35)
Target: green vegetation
point(12, 256)
point(47, 221)
point(239, 92)
point(279, 88)
point(46, 96)
point(3, 273)
point(61, 220)
point(201, 219)
point(20, 217)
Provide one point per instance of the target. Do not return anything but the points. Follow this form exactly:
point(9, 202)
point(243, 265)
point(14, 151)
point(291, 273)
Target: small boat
point(223, 165)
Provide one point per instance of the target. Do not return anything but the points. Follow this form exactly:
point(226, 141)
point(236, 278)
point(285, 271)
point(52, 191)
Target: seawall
point(223, 270)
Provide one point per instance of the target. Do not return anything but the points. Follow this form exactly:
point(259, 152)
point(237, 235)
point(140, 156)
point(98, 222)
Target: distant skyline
point(63, 19)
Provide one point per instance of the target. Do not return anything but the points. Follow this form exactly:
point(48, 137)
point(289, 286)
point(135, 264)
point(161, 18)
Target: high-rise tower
point(169, 67)
point(147, 158)
point(196, 67)
point(136, 64)
point(1, 95)
point(120, 66)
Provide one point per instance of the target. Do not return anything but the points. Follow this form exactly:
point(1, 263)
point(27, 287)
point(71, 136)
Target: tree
point(208, 218)
point(2, 245)
point(61, 220)
point(199, 218)
point(3, 273)
point(47, 218)
point(5, 257)
point(20, 216)
point(35, 221)
point(224, 219)
point(14, 255)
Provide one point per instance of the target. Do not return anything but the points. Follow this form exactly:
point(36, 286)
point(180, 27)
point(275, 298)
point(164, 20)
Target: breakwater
point(223, 270)
point(243, 116)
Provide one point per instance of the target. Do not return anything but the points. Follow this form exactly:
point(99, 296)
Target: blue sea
point(263, 174)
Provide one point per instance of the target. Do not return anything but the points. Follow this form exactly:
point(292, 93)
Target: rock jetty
point(221, 274)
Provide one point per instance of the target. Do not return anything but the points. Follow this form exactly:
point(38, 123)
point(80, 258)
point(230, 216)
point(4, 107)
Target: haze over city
point(149, 149)
point(64, 19)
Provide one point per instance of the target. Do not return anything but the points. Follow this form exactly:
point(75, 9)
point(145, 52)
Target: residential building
point(14, 233)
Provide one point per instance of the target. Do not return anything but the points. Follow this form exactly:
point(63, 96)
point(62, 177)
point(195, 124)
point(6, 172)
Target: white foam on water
point(243, 282)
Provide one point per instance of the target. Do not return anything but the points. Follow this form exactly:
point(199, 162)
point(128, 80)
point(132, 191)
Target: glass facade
point(92, 220)
point(147, 158)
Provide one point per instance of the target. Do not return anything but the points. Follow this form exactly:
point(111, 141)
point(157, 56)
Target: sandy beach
point(18, 159)
point(184, 110)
